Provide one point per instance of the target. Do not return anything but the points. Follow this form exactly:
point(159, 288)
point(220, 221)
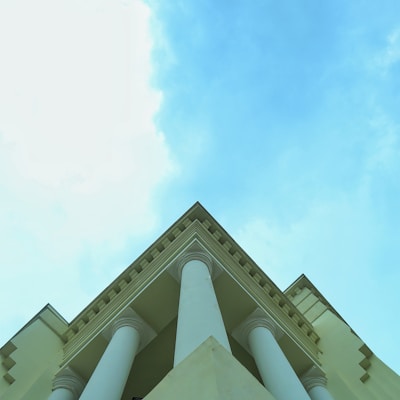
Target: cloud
point(390, 55)
point(80, 157)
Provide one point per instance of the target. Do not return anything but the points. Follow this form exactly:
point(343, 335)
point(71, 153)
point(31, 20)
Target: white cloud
point(390, 55)
point(80, 156)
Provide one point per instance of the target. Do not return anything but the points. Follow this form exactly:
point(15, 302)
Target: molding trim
point(196, 225)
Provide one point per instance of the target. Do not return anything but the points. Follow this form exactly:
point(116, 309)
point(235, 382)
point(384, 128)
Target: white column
point(276, 372)
point(314, 380)
point(109, 377)
point(62, 394)
point(67, 385)
point(199, 316)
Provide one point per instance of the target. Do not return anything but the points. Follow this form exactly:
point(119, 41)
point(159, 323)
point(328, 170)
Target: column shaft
point(62, 394)
point(109, 378)
point(199, 315)
point(319, 393)
point(275, 370)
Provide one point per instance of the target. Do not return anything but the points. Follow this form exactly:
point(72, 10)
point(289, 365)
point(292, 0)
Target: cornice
point(118, 296)
point(130, 276)
point(303, 282)
point(198, 224)
point(259, 286)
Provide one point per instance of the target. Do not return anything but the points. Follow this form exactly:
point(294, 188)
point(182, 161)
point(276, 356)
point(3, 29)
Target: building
point(194, 317)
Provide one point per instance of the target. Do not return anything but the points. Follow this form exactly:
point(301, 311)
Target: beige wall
point(37, 354)
point(211, 373)
point(352, 370)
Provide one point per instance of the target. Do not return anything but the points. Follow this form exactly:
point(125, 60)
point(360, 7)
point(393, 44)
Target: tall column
point(67, 385)
point(314, 380)
point(111, 373)
point(261, 334)
point(199, 316)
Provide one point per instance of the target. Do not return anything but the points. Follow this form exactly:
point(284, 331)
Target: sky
point(281, 118)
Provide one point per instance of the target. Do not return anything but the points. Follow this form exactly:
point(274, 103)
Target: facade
point(194, 317)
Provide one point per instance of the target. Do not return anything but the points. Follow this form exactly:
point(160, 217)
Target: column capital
point(133, 321)
point(131, 318)
point(194, 251)
point(258, 318)
point(67, 378)
point(313, 377)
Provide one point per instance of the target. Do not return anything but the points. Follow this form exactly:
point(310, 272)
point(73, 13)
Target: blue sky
point(282, 119)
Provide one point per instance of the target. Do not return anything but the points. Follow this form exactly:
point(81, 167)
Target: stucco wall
point(211, 373)
point(353, 371)
point(37, 354)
